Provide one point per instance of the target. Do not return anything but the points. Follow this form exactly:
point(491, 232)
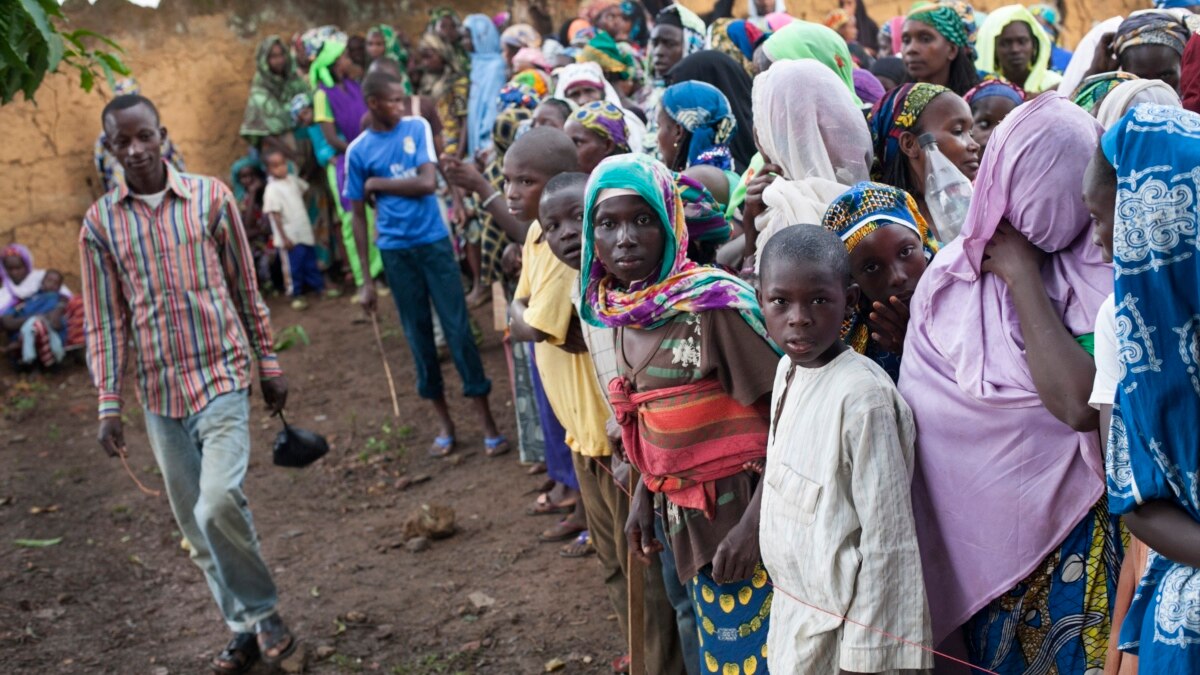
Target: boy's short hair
point(388, 63)
point(125, 102)
point(565, 181)
point(807, 245)
point(554, 150)
point(267, 154)
point(52, 271)
point(377, 81)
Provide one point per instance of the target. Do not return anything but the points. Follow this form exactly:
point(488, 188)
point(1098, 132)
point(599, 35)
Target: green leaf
point(37, 14)
point(113, 62)
point(87, 79)
point(78, 35)
point(37, 543)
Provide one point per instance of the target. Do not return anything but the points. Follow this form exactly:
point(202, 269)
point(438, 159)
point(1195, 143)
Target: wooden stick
point(637, 600)
point(387, 370)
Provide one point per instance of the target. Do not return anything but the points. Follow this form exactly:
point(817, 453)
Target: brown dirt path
point(118, 594)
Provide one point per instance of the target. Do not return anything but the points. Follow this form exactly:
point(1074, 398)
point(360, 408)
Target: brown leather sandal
point(238, 656)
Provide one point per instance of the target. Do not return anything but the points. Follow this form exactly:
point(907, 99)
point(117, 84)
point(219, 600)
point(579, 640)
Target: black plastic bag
point(297, 448)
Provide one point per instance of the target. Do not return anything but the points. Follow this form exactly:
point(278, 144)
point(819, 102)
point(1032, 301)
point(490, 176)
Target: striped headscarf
point(704, 112)
point(702, 215)
point(689, 22)
point(945, 20)
point(1151, 27)
point(1092, 90)
point(862, 210)
point(896, 113)
point(605, 120)
point(604, 51)
point(994, 87)
point(681, 286)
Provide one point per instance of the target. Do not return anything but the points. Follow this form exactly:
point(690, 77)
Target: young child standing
point(837, 527)
point(592, 364)
point(283, 202)
point(392, 166)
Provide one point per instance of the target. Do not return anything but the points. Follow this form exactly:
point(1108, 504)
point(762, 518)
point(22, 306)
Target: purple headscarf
point(867, 86)
point(11, 292)
point(999, 481)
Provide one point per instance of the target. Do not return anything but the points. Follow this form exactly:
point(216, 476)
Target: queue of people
point(867, 348)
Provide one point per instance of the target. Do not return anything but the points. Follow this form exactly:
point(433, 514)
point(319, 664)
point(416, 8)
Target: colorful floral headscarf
point(1151, 27)
point(995, 87)
point(837, 18)
point(686, 20)
point(604, 51)
point(1050, 19)
point(704, 112)
point(313, 39)
point(1092, 90)
point(681, 286)
point(521, 35)
point(862, 210)
point(605, 120)
point(735, 38)
point(945, 20)
point(897, 112)
point(517, 94)
point(299, 103)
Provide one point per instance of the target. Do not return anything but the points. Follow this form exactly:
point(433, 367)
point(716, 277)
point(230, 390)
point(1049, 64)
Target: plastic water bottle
point(947, 191)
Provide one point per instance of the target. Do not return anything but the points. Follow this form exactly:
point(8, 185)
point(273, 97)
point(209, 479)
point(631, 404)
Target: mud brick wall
point(194, 58)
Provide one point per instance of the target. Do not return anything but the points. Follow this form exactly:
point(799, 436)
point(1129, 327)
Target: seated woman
point(1011, 514)
point(936, 49)
point(695, 125)
point(598, 131)
point(991, 101)
point(889, 245)
point(695, 364)
point(20, 281)
point(814, 142)
point(898, 121)
point(1013, 46)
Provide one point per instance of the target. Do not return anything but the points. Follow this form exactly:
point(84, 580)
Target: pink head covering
point(999, 481)
point(777, 20)
point(530, 57)
point(896, 30)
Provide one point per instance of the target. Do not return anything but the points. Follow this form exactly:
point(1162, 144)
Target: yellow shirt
point(569, 379)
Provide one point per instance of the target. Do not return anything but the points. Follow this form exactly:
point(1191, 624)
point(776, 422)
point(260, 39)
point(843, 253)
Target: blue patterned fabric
point(1152, 451)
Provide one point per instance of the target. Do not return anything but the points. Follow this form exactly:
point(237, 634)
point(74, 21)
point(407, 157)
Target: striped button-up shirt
point(179, 279)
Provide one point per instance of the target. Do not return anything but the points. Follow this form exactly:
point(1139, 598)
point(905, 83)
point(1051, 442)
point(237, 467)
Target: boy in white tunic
point(837, 528)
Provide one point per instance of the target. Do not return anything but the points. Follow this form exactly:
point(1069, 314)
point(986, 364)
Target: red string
point(825, 611)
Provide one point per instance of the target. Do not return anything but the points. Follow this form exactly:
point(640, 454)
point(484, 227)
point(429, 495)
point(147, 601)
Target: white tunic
point(837, 526)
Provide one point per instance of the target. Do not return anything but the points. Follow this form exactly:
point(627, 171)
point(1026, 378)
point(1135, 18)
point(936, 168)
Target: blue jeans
point(203, 459)
point(681, 599)
point(416, 276)
point(29, 341)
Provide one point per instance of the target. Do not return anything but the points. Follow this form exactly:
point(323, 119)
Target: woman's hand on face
point(1010, 256)
point(755, 188)
point(888, 324)
point(1104, 60)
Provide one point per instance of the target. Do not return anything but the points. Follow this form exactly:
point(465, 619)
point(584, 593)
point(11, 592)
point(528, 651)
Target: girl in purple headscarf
point(1017, 545)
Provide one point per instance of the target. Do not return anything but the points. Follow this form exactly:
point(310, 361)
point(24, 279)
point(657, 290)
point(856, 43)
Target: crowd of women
point(1019, 224)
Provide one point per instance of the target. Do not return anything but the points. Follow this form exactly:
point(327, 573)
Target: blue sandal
point(442, 446)
point(495, 446)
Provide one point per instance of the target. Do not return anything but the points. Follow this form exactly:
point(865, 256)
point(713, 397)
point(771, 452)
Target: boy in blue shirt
point(392, 167)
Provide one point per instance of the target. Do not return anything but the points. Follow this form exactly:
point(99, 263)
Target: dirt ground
point(119, 595)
